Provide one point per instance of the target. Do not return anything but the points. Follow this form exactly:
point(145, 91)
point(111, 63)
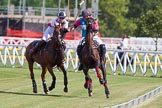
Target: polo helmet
point(61, 14)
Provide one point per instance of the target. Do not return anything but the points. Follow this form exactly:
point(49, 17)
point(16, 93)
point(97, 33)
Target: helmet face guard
point(62, 15)
point(86, 13)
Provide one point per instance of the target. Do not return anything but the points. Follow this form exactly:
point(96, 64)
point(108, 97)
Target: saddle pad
point(36, 41)
point(95, 44)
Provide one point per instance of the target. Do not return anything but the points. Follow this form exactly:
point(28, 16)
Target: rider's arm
point(95, 26)
point(53, 22)
point(65, 29)
point(77, 23)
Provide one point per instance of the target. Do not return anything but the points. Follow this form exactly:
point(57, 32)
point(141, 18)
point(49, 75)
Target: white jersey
point(50, 29)
point(124, 44)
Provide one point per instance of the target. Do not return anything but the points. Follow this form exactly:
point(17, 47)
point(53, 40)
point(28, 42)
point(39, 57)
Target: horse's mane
point(56, 38)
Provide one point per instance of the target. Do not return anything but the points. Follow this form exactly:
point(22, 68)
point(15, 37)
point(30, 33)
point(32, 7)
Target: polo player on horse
point(86, 14)
point(60, 20)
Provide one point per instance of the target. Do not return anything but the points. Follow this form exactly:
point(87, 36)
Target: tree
point(113, 22)
point(151, 24)
point(139, 7)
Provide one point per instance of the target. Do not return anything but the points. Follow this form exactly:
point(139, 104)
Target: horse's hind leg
point(105, 81)
point(88, 82)
point(65, 77)
point(30, 65)
point(44, 70)
point(53, 78)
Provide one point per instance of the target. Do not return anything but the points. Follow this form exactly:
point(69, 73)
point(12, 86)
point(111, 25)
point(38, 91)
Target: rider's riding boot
point(102, 50)
point(79, 48)
point(80, 65)
point(35, 48)
point(64, 45)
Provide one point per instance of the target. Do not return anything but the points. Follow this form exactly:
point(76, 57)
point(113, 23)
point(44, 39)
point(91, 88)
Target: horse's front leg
point(30, 65)
point(88, 82)
point(65, 77)
point(103, 69)
point(44, 70)
point(53, 78)
point(99, 75)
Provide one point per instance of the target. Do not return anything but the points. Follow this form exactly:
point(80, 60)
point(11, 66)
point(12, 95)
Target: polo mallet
point(80, 4)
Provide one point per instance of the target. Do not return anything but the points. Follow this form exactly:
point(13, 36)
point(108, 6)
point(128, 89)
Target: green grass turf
point(16, 90)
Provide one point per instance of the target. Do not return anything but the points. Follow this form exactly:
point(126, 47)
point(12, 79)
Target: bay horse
point(91, 58)
point(51, 55)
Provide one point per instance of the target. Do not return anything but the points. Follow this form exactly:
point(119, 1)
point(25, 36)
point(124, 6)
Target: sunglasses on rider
point(62, 18)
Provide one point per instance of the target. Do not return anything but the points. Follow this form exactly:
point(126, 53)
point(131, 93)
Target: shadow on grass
point(18, 93)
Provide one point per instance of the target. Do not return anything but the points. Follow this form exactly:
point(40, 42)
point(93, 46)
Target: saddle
point(42, 46)
point(94, 45)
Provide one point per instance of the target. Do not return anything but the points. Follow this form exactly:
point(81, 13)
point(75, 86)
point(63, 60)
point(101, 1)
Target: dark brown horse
point(51, 55)
point(91, 58)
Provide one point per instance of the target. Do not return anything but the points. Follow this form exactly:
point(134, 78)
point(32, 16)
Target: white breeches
point(48, 33)
point(96, 38)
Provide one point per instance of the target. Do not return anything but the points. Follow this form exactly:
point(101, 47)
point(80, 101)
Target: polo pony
point(91, 58)
point(50, 55)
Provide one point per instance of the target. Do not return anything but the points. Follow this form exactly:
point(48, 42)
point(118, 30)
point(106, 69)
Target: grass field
point(16, 90)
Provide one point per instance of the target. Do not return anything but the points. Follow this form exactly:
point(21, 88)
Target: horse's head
point(56, 39)
point(89, 23)
point(89, 31)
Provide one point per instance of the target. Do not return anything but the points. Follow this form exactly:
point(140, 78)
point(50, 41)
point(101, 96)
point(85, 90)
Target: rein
point(56, 39)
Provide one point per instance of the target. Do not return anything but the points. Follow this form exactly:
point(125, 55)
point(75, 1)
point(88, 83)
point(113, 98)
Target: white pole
point(20, 7)
point(94, 7)
point(59, 4)
point(76, 8)
point(68, 10)
point(8, 12)
point(24, 10)
point(44, 13)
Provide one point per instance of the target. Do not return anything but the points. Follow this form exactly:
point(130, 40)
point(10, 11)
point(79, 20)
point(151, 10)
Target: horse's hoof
point(46, 92)
point(90, 94)
point(85, 86)
point(34, 91)
point(107, 95)
point(107, 92)
point(51, 88)
point(65, 89)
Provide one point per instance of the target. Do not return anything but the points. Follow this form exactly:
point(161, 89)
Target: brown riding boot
point(81, 64)
point(102, 50)
point(80, 67)
point(79, 48)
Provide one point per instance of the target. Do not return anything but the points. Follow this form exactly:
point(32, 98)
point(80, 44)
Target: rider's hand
point(72, 28)
point(49, 24)
point(56, 24)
